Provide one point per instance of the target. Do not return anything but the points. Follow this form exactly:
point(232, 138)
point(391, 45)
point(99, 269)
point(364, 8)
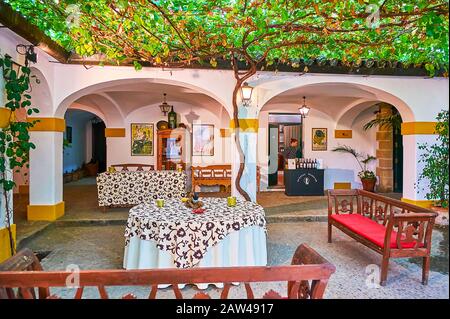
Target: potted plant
point(436, 171)
point(368, 178)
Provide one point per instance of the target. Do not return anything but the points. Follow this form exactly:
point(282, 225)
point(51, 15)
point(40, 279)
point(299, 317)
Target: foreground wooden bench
point(390, 227)
point(22, 277)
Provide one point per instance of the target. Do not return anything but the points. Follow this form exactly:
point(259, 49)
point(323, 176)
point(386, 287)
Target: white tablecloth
point(246, 247)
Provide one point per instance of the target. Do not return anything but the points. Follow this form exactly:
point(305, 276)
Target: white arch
point(350, 112)
point(274, 88)
point(41, 97)
point(62, 107)
point(90, 109)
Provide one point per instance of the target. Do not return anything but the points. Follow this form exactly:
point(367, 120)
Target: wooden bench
point(390, 227)
point(139, 167)
point(22, 277)
point(213, 175)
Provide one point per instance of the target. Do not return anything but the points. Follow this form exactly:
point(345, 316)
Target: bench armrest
point(410, 228)
point(305, 255)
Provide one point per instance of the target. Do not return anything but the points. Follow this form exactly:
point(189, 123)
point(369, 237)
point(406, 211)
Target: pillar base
point(421, 203)
point(45, 212)
point(5, 248)
point(342, 185)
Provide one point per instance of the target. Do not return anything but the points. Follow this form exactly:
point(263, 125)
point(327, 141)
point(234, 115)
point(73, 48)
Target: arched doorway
point(84, 145)
point(341, 110)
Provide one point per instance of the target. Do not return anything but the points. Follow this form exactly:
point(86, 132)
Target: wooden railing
point(22, 277)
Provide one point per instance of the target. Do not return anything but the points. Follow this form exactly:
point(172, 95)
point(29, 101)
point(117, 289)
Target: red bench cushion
point(369, 229)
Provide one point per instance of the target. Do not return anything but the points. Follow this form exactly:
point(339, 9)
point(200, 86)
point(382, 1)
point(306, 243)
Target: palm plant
point(368, 178)
point(393, 121)
point(362, 160)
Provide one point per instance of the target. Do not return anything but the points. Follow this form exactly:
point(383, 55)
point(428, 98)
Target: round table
point(174, 237)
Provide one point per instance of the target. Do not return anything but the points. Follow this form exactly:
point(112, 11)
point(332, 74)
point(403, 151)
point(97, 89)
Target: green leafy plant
point(362, 160)
point(14, 139)
point(66, 144)
point(393, 121)
point(436, 160)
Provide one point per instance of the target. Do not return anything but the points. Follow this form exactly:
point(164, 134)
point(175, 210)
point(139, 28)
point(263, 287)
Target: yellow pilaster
point(419, 128)
point(342, 185)
point(45, 212)
point(114, 132)
point(47, 124)
point(225, 132)
point(420, 203)
point(247, 125)
point(5, 248)
point(343, 134)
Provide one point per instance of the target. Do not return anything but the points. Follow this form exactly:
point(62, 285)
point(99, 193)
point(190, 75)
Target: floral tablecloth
point(132, 188)
point(186, 235)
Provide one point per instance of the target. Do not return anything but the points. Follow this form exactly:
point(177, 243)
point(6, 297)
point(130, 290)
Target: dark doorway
point(99, 145)
point(282, 128)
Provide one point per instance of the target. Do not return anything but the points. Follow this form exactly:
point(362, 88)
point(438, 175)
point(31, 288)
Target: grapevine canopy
point(257, 32)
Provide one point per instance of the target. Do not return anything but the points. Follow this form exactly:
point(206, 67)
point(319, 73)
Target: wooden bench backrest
point(211, 172)
point(307, 277)
point(139, 167)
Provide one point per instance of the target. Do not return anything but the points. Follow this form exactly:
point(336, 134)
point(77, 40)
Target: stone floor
point(94, 240)
point(101, 247)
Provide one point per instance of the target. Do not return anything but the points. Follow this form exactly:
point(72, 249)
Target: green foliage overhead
point(179, 32)
point(436, 160)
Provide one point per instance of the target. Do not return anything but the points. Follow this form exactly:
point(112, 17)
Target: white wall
point(119, 148)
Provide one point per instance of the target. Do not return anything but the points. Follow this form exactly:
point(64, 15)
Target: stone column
point(384, 152)
point(46, 169)
point(414, 135)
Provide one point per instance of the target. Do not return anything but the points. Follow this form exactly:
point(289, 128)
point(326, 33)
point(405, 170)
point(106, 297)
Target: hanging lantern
point(304, 109)
point(164, 107)
point(246, 93)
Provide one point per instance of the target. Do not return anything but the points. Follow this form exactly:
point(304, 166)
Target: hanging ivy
point(14, 138)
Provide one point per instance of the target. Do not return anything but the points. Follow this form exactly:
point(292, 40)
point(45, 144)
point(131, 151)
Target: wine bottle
point(172, 119)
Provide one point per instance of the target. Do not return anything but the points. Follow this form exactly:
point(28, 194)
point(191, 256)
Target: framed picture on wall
point(202, 140)
point(69, 134)
point(319, 139)
point(142, 139)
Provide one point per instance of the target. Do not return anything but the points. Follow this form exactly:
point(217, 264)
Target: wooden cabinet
point(173, 149)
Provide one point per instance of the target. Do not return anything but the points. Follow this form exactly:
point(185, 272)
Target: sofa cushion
point(369, 229)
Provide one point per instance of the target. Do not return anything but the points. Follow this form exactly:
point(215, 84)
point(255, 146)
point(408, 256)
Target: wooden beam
point(19, 25)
